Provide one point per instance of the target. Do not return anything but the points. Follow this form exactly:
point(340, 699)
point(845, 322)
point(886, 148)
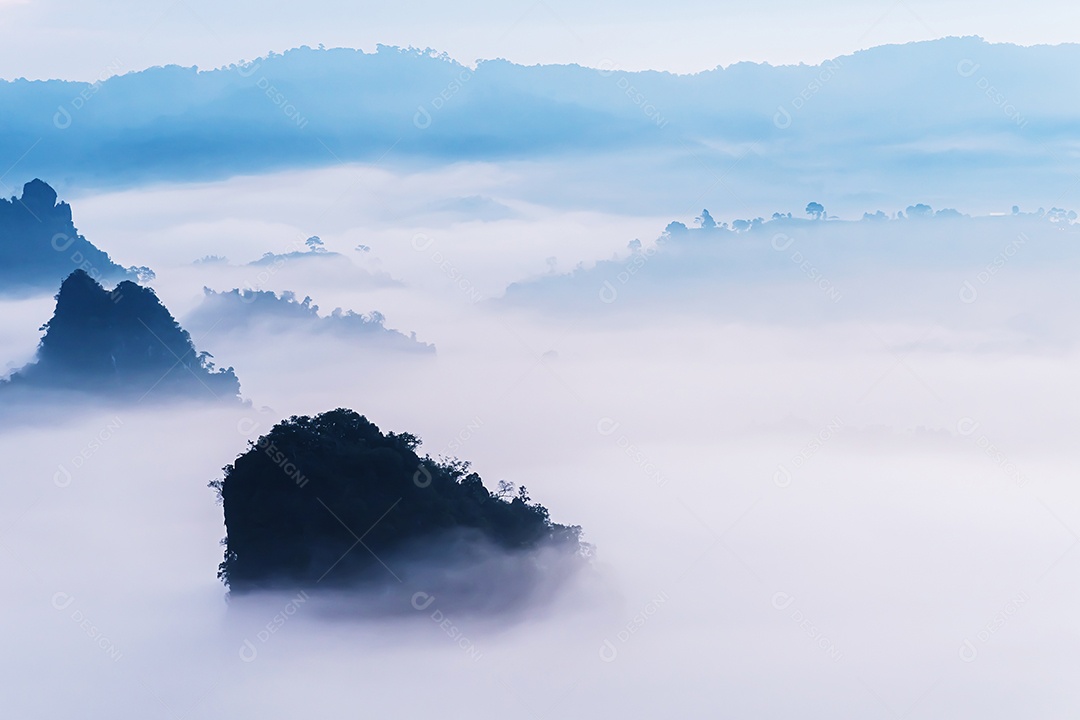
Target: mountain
point(928, 114)
point(244, 310)
point(968, 272)
point(120, 343)
point(40, 246)
point(299, 501)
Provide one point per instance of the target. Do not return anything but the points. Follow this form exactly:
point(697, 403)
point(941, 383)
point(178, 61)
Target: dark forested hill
point(333, 501)
point(40, 246)
point(121, 343)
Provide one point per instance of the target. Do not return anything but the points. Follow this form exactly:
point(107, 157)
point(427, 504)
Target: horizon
point(604, 65)
point(640, 36)
point(699, 360)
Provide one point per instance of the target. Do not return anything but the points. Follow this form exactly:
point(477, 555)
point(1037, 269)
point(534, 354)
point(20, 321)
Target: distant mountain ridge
point(248, 310)
point(793, 270)
point(957, 103)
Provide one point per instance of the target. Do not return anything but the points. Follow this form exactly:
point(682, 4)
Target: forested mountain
point(40, 245)
point(121, 343)
point(303, 498)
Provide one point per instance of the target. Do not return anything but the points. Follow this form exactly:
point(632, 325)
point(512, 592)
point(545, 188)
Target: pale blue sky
point(80, 40)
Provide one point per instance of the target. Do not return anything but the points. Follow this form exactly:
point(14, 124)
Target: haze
point(827, 461)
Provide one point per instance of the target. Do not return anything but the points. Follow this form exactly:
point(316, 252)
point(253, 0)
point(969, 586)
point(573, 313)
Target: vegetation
point(239, 310)
point(40, 246)
point(122, 342)
point(328, 499)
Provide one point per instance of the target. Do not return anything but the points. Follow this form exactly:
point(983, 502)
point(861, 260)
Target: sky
point(828, 465)
point(109, 37)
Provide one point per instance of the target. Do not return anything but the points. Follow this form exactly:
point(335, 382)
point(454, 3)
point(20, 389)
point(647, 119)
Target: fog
point(801, 506)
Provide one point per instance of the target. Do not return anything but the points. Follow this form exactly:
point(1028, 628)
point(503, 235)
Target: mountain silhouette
point(239, 311)
point(984, 104)
point(297, 500)
point(40, 246)
point(120, 343)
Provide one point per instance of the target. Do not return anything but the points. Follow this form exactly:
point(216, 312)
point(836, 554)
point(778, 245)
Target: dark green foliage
point(326, 498)
point(122, 342)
